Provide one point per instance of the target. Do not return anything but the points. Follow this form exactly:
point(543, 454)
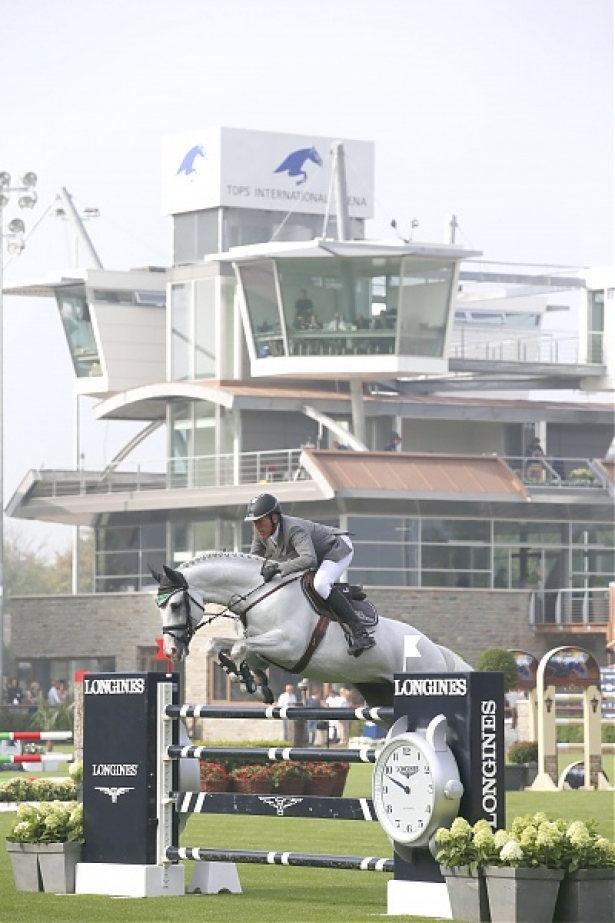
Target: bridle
point(185, 631)
point(189, 627)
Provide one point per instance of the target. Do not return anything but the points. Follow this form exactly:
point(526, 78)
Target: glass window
point(530, 533)
point(424, 307)
point(383, 529)
point(180, 332)
point(75, 316)
point(206, 332)
point(260, 292)
point(445, 530)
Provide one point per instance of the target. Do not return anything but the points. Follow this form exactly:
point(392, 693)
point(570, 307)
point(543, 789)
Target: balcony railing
point(570, 607)
point(493, 344)
point(557, 472)
point(258, 468)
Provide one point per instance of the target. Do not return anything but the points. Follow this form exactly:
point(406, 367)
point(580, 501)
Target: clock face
point(404, 789)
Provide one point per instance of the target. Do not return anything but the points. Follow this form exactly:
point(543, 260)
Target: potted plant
point(213, 777)
point(522, 766)
point(19, 790)
point(289, 778)
point(252, 779)
point(322, 779)
point(524, 881)
point(588, 889)
point(462, 853)
point(44, 844)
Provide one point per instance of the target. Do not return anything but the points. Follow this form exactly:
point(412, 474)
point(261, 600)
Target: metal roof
point(428, 474)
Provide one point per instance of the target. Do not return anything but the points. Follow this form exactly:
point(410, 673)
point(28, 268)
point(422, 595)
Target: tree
point(498, 658)
point(62, 576)
point(29, 571)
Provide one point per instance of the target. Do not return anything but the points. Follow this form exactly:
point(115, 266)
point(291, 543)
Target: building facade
point(283, 349)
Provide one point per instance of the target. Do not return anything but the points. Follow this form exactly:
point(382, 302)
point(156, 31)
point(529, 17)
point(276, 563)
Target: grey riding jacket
point(302, 545)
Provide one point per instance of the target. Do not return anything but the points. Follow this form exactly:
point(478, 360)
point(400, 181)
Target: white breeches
point(330, 572)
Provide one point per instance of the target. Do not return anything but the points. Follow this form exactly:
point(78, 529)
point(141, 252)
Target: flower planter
point(44, 866)
point(290, 787)
point(587, 894)
point(519, 776)
point(339, 780)
point(253, 786)
point(219, 785)
point(467, 892)
point(322, 786)
point(24, 861)
point(522, 895)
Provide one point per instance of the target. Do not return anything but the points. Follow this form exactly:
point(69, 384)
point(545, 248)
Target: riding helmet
point(260, 506)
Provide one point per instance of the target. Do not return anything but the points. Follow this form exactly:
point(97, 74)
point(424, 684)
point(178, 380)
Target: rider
point(289, 544)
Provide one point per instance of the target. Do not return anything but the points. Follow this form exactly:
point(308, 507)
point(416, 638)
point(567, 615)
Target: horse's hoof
point(268, 697)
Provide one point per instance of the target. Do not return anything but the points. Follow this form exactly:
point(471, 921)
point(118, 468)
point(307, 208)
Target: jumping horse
point(278, 626)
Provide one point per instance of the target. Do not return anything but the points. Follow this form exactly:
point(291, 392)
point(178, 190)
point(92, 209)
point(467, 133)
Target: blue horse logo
point(293, 165)
point(187, 165)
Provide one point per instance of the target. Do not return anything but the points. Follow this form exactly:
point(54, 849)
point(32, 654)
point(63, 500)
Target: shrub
point(318, 770)
point(213, 772)
point(523, 751)
point(51, 822)
point(498, 658)
point(286, 769)
point(252, 771)
point(36, 790)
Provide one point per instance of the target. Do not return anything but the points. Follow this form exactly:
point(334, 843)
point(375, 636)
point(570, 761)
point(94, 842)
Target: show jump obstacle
point(131, 754)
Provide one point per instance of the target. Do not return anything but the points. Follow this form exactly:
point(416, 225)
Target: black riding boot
point(361, 640)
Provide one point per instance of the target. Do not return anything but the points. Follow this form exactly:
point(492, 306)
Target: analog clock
point(416, 786)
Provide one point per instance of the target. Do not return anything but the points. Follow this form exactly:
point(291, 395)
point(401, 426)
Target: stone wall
point(117, 624)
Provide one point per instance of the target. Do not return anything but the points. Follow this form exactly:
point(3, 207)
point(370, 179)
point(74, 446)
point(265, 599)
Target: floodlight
point(4, 199)
point(16, 246)
point(16, 226)
point(29, 179)
point(91, 213)
point(28, 200)
point(5, 178)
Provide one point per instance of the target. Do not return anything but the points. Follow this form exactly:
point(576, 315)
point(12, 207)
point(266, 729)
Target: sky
point(499, 112)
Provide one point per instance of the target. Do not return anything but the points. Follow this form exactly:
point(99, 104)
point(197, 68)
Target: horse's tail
point(454, 663)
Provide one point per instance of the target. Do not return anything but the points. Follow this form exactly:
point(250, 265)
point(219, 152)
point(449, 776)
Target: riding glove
point(269, 570)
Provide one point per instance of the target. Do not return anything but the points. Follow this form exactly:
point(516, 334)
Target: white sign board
point(262, 170)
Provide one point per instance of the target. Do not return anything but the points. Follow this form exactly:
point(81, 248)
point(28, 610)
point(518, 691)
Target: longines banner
point(261, 170)
point(119, 767)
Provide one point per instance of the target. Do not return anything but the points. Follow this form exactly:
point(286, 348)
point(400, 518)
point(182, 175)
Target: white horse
point(278, 628)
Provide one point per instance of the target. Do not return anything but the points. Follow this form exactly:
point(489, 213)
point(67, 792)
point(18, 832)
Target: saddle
point(355, 594)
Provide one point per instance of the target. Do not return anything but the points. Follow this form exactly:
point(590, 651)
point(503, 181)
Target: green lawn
point(278, 895)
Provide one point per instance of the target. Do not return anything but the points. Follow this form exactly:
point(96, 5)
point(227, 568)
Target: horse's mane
point(208, 555)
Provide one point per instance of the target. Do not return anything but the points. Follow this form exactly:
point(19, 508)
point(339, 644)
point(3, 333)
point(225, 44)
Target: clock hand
point(406, 788)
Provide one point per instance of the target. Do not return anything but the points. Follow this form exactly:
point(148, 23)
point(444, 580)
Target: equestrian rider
point(289, 545)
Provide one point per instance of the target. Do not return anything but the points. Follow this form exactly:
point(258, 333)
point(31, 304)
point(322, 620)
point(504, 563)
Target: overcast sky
point(498, 111)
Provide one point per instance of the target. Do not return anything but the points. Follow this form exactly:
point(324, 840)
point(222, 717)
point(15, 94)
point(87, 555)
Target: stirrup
point(360, 642)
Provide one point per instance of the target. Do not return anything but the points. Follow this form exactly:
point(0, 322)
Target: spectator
point(512, 700)
point(394, 443)
point(336, 700)
point(304, 309)
point(314, 700)
point(339, 446)
point(53, 696)
point(14, 692)
point(344, 726)
point(288, 697)
point(533, 455)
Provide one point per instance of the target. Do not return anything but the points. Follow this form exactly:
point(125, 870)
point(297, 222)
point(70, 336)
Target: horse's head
point(175, 599)
point(315, 156)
